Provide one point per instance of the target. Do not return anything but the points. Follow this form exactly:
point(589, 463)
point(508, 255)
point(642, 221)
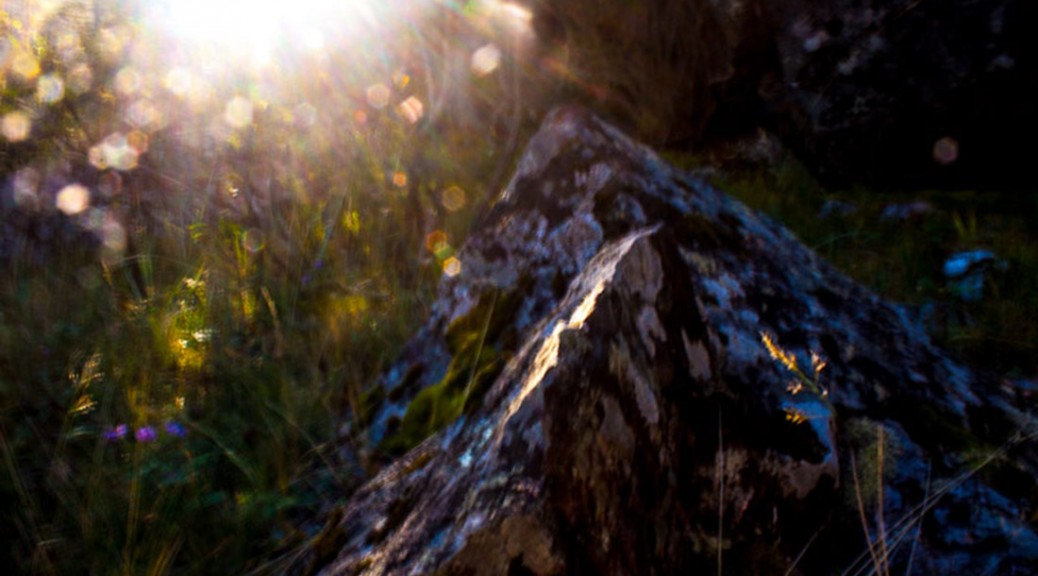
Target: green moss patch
point(476, 360)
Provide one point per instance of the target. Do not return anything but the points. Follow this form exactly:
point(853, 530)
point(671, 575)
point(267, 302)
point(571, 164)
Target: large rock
point(656, 406)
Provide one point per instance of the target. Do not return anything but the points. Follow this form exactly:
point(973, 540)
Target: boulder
point(967, 271)
point(639, 375)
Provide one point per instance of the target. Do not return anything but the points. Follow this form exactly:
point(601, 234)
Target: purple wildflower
point(175, 429)
point(117, 433)
point(145, 434)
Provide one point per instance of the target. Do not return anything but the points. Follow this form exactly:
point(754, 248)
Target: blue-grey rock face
point(967, 271)
point(686, 385)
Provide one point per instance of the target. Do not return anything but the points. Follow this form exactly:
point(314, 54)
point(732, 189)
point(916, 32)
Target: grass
point(190, 427)
point(173, 410)
point(902, 259)
point(171, 399)
point(873, 462)
point(881, 548)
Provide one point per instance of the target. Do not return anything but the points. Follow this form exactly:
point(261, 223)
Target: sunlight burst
point(256, 28)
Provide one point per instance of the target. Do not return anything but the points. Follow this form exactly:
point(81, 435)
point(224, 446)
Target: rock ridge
point(683, 385)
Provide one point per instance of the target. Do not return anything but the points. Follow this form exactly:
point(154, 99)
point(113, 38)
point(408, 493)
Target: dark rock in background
point(665, 409)
point(909, 92)
point(892, 93)
point(967, 271)
point(904, 212)
point(837, 209)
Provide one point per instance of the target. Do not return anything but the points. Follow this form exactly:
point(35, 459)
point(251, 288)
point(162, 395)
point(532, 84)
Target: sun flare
point(256, 28)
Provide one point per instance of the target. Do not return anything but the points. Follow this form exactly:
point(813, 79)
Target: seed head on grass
point(802, 380)
point(795, 416)
point(818, 363)
point(784, 358)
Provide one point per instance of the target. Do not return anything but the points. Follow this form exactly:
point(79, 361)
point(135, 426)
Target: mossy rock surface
point(476, 359)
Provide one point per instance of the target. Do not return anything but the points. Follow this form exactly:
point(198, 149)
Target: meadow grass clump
point(174, 408)
point(130, 418)
point(654, 68)
point(171, 394)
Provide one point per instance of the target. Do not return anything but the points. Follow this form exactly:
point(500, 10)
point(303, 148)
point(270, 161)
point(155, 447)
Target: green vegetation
point(268, 237)
point(475, 361)
point(191, 423)
point(903, 258)
point(170, 395)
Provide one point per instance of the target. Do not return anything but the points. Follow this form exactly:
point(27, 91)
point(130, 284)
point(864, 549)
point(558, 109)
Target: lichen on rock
point(632, 420)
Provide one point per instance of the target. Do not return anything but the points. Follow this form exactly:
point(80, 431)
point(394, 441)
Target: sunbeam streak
point(256, 28)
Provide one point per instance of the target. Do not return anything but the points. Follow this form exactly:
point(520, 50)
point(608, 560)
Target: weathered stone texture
point(641, 425)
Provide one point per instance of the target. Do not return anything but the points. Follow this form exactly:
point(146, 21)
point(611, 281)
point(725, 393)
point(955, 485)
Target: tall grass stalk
point(877, 555)
point(720, 493)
